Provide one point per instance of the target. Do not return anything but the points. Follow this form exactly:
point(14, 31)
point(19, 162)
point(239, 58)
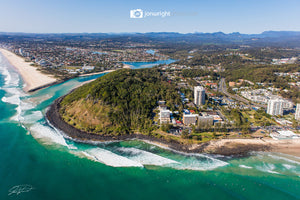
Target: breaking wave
point(245, 166)
point(47, 134)
point(111, 159)
point(284, 158)
point(144, 157)
point(267, 167)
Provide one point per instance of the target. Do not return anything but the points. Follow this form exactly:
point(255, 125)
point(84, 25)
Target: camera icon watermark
point(136, 13)
point(139, 13)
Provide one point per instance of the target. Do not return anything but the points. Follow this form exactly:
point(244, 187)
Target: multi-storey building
point(275, 107)
point(199, 95)
point(297, 114)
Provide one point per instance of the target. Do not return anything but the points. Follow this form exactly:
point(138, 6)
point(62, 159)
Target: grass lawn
point(260, 120)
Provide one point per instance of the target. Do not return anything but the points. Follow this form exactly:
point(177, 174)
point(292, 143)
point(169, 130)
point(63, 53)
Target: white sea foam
point(209, 157)
point(27, 105)
point(14, 99)
point(245, 166)
point(200, 165)
point(72, 146)
point(272, 172)
point(13, 93)
point(13, 96)
point(22, 107)
point(47, 134)
point(267, 167)
point(32, 118)
point(194, 161)
point(146, 158)
point(287, 166)
point(83, 154)
point(108, 158)
point(284, 158)
point(7, 75)
point(11, 78)
point(289, 156)
point(158, 145)
point(201, 162)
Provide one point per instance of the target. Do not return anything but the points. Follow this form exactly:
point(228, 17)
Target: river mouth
point(30, 113)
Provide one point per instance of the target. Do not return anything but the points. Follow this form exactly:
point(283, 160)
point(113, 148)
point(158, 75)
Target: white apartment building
point(199, 95)
point(275, 107)
point(297, 114)
point(164, 116)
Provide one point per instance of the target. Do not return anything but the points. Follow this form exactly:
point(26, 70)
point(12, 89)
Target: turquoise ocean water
point(36, 156)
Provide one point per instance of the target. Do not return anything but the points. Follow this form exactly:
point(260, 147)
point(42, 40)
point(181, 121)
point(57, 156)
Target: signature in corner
point(18, 189)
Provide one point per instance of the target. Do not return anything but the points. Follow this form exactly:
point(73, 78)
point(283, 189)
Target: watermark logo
point(136, 13)
point(139, 13)
point(18, 189)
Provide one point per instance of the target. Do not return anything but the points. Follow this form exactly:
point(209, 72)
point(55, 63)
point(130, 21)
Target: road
point(222, 88)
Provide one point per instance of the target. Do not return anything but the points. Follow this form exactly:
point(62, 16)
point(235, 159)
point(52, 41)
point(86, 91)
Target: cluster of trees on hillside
point(131, 96)
point(260, 73)
point(269, 53)
point(192, 73)
point(293, 94)
point(205, 59)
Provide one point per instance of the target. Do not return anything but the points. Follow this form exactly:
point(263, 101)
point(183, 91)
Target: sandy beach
point(33, 78)
point(287, 146)
point(291, 147)
point(103, 72)
point(126, 66)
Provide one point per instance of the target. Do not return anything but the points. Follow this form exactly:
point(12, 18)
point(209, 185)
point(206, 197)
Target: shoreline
point(54, 118)
point(227, 147)
point(33, 79)
point(125, 66)
point(96, 73)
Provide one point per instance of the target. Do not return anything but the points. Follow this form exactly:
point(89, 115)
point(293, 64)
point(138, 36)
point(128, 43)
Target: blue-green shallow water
point(60, 169)
point(139, 65)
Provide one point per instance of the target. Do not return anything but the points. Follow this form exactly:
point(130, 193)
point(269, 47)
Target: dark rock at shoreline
point(55, 119)
point(47, 85)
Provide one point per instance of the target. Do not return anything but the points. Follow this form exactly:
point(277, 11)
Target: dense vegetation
point(260, 73)
point(120, 102)
point(192, 73)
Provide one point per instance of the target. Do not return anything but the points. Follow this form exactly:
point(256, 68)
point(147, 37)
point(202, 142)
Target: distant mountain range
point(267, 38)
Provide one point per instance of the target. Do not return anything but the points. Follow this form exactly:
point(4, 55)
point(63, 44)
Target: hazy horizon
point(91, 16)
point(146, 32)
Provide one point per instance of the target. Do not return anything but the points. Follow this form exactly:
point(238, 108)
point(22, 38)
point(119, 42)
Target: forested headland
point(119, 103)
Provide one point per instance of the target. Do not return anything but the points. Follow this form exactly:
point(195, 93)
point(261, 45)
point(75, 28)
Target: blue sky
point(65, 16)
